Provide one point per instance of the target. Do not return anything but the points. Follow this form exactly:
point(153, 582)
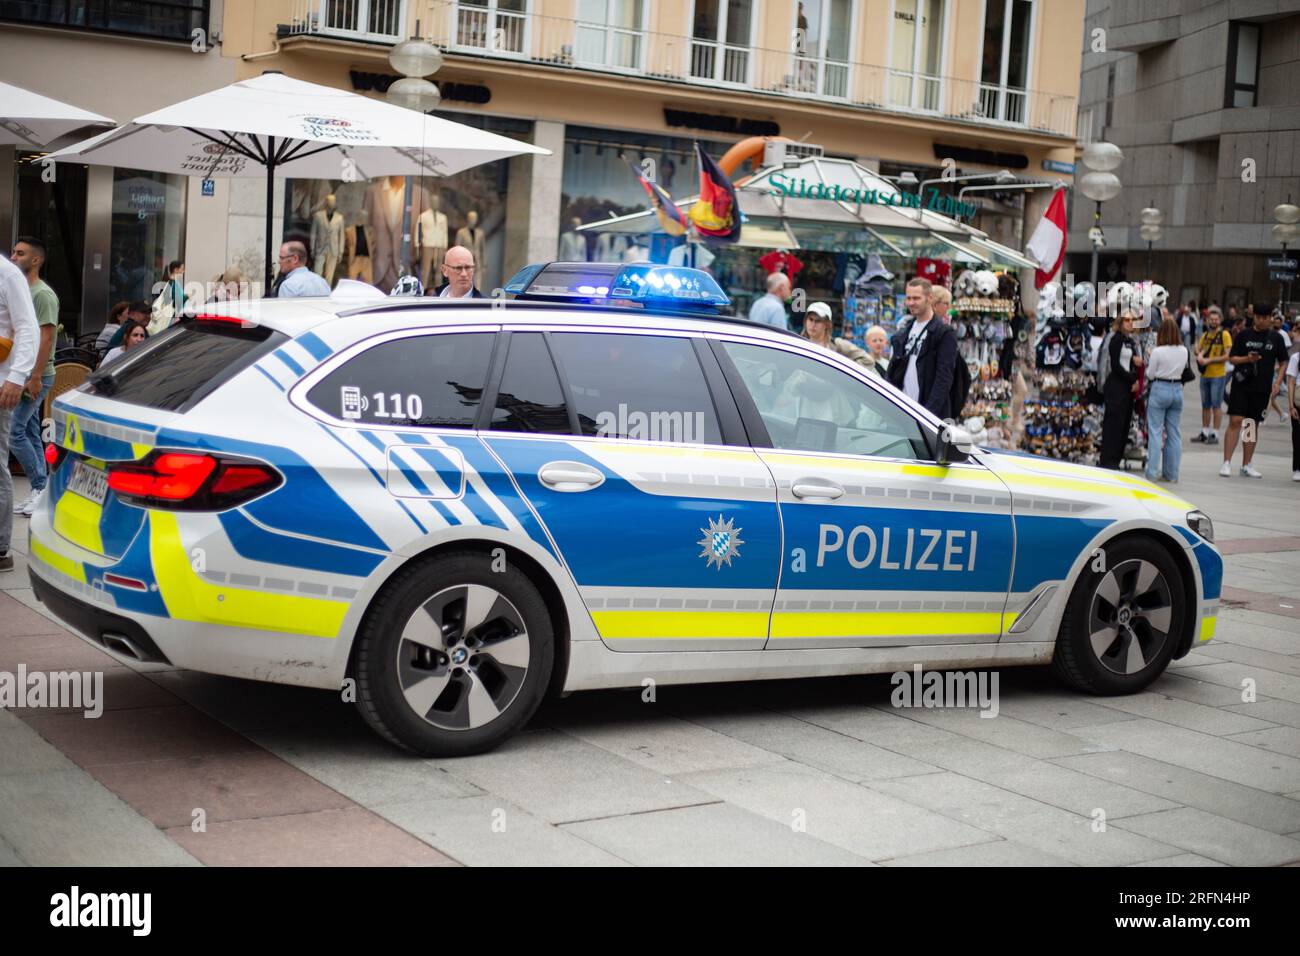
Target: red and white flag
point(1047, 244)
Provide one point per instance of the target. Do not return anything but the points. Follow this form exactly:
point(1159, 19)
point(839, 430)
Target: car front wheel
point(454, 656)
point(1123, 622)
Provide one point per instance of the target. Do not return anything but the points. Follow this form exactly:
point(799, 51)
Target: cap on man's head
point(819, 309)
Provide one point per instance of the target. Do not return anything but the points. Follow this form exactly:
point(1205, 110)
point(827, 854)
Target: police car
point(462, 506)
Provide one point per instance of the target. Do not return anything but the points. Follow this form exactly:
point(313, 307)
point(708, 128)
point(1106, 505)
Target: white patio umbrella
point(273, 125)
point(30, 119)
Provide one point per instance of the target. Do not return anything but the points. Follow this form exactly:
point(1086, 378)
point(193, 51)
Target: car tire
point(453, 657)
point(1123, 623)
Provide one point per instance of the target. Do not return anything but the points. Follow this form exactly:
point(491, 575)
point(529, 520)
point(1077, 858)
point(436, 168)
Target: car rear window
point(177, 368)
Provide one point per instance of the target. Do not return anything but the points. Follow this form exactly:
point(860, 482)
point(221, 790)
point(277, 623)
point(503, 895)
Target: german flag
point(670, 217)
point(716, 214)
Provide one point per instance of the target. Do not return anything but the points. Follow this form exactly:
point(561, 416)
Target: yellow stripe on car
point(1207, 627)
point(887, 623)
point(190, 597)
point(72, 569)
point(77, 519)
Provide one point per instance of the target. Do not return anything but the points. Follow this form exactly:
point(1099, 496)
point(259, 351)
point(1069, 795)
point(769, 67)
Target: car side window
point(647, 387)
point(430, 381)
point(809, 405)
point(530, 398)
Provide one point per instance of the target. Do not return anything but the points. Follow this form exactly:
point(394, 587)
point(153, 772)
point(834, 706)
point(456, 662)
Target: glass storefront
point(55, 213)
point(148, 228)
point(599, 184)
point(468, 209)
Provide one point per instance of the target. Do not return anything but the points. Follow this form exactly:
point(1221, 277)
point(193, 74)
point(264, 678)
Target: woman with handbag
point(171, 300)
point(1169, 368)
point(1120, 390)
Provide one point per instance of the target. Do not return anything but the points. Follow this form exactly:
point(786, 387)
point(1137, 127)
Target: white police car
point(464, 505)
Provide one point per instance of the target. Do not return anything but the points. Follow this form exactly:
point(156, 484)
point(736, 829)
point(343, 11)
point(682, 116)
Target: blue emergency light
point(642, 284)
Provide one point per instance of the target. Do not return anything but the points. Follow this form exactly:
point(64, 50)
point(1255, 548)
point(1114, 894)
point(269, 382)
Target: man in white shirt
point(18, 338)
point(924, 359)
point(770, 309)
point(458, 267)
point(299, 281)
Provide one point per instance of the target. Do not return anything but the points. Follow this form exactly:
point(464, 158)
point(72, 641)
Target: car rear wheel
point(453, 656)
point(1123, 622)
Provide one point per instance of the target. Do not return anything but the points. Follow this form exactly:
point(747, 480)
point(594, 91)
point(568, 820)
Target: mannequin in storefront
point(431, 238)
point(384, 213)
point(357, 243)
point(611, 246)
point(471, 237)
point(327, 239)
point(573, 244)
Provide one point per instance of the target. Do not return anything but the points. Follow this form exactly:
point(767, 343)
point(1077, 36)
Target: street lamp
point(1150, 231)
point(415, 59)
point(1100, 185)
point(1286, 231)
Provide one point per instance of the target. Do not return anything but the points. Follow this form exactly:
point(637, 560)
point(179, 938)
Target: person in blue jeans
point(1165, 402)
point(25, 434)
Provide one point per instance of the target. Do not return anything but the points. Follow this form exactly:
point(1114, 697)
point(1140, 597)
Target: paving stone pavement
point(190, 769)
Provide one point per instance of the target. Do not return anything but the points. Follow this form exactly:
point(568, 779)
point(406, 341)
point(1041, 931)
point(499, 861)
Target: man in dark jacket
point(924, 353)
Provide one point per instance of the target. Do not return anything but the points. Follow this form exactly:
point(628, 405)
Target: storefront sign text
point(721, 124)
point(783, 185)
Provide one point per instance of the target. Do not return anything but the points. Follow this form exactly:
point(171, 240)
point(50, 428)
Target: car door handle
point(570, 476)
point(816, 488)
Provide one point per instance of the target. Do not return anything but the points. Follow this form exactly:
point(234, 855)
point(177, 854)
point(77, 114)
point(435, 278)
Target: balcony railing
point(377, 21)
point(488, 28)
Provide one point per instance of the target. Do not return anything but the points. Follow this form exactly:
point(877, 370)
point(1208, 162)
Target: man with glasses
point(296, 280)
point(458, 267)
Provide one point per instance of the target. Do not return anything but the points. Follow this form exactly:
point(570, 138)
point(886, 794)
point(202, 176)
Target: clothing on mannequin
point(431, 238)
point(611, 246)
point(327, 239)
point(357, 243)
point(384, 208)
point(573, 244)
point(471, 236)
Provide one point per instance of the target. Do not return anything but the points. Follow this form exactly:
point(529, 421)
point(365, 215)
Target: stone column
point(533, 201)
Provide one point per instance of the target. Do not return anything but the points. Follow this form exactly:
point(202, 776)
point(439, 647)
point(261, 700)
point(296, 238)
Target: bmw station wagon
point(465, 505)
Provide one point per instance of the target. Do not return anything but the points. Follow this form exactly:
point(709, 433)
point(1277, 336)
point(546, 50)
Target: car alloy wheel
point(462, 657)
point(1131, 616)
point(454, 655)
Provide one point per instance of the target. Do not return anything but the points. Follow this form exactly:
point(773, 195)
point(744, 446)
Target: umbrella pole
point(270, 207)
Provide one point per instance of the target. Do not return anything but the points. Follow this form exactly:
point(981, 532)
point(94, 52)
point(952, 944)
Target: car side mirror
point(954, 445)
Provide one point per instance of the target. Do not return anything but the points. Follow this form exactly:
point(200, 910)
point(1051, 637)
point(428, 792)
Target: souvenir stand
point(844, 234)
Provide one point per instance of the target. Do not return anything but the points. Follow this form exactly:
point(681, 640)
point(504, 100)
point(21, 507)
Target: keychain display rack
point(1061, 422)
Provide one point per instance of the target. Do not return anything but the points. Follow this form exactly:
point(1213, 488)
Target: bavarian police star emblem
point(721, 542)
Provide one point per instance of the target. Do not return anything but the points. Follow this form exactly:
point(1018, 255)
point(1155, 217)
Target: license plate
point(89, 482)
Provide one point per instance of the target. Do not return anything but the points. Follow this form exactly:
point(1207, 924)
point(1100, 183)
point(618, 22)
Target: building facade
point(1203, 100)
point(966, 86)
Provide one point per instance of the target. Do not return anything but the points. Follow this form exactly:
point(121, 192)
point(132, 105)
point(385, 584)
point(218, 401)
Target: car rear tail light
point(54, 455)
point(191, 481)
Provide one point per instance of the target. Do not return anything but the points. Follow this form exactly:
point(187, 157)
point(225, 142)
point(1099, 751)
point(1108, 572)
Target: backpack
point(1103, 360)
point(961, 383)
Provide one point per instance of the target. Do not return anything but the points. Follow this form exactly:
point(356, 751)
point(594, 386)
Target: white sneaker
point(1226, 470)
point(29, 506)
point(1295, 476)
point(1250, 471)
